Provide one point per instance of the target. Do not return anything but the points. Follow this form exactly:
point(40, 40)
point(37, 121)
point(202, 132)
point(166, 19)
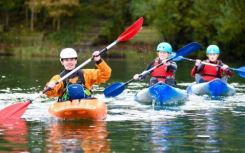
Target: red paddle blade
point(14, 111)
point(131, 31)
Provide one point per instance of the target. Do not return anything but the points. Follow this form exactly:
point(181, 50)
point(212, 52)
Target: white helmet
point(68, 53)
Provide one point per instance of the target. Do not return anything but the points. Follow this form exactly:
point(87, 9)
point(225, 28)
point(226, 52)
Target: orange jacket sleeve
point(57, 91)
point(97, 76)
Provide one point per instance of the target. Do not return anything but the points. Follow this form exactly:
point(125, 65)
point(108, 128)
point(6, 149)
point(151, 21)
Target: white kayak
point(215, 88)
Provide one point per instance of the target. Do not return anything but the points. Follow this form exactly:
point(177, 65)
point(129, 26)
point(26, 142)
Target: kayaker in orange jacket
point(211, 72)
point(79, 84)
point(165, 72)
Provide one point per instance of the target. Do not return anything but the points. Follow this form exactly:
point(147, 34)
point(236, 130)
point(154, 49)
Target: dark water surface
point(197, 125)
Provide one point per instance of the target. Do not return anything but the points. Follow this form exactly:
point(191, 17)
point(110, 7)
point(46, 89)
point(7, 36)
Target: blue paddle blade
point(178, 58)
point(114, 89)
point(240, 71)
point(172, 55)
point(188, 49)
point(174, 58)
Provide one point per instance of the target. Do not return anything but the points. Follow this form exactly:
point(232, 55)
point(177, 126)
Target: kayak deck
point(161, 93)
point(215, 88)
point(89, 108)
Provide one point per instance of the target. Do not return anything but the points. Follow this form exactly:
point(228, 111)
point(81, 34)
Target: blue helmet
point(164, 47)
point(212, 49)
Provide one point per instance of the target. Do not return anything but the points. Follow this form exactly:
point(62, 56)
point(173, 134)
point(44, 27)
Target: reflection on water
point(14, 135)
point(53, 136)
point(77, 136)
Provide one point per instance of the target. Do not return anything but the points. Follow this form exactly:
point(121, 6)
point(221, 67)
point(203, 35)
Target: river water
point(200, 124)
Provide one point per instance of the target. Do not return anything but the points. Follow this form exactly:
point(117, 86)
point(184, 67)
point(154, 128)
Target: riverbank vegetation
point(44, 27)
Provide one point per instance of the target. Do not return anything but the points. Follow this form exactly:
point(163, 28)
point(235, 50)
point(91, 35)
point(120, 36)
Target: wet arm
point(228, 72)
point(197, 69)
point(151, 65)
point(173, 66)
point(194, 71)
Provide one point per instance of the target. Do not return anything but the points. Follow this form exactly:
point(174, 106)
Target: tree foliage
point(55, 8)
point(179, 22)
point(218, 22)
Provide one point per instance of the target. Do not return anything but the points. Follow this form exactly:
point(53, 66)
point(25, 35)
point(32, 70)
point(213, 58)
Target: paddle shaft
point(240, 71)
point(188, 59)
point(153, 68)
point(150, 70)
point(192, 60)
point(143, 73)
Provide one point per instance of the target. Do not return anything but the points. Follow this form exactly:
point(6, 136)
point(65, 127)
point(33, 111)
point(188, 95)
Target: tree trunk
point(32, 18)
point(58, 24)
point(54, 20)
point(35, 17)
point(7, 16)
point(26, 15)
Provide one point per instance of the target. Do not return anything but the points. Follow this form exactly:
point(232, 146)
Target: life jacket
point(161, 72)
point(66, 82)
point(211, 72)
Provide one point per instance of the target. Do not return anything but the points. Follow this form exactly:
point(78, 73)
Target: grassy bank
point(19, 41)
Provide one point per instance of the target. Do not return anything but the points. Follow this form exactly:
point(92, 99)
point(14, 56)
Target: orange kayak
point(90, 108)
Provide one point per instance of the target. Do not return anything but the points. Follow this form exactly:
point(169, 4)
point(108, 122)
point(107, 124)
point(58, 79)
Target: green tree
point(117, 13)
point(6, 5)
point(58, 8)
point(207, 22)
point(167, 17)
point(222, 23)
point(35, 6)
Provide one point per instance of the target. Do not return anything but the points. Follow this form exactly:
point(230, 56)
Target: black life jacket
point(78, 73)
point(81, 80)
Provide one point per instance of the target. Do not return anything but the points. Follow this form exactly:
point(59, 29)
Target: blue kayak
point(161, 93)
point(215, 88)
